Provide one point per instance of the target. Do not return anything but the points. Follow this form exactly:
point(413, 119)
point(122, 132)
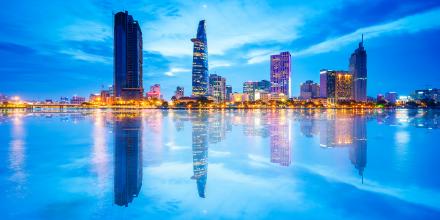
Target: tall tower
point(127, 53)
point(280, 69)
point(358, 68)
point(200, 80)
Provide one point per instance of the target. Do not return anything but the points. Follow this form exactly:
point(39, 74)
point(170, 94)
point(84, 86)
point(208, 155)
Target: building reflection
point(200, 151)
point(280, 138)
point(358, 151)
point(128, 157)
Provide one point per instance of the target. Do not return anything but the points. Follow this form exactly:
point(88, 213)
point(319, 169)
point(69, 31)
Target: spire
point(361, 44)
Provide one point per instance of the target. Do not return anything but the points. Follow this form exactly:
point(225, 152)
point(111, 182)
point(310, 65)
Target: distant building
point(264, 85)
point(105, 96)
point(217, 87)
point(77, 100)
point(154, 92)
point(344, 83)
point(95, 98)
point(179, 93)
point(380, 97)
point(358, 68)
point(128, 58)
point(200, 79)
point(228, 92)
point(391, 97)
point(240, 97)
point(433, 94)
point(249, 88)
point(280, 73)
point(253, 87)
point(309, 90)
point(323, 74)
point(3, 98)
point(64, 100)
point(336, 85)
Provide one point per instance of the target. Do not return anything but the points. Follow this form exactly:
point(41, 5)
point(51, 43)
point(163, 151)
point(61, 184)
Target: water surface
point(260, 164)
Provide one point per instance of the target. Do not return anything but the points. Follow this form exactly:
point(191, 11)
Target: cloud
point(230, 25)
point(219, 63)
point(92, 58)
point(260, 55)
point(174, 70)
point(87, 31)
point(409, 24)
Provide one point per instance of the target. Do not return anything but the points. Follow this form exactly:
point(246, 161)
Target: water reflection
point(200, 150)
point(128, 157)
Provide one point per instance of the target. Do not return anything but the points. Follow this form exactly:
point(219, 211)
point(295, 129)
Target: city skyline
point(75, 57)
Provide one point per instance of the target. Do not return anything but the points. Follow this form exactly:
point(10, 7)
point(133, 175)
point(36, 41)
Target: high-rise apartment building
point(127, 57)
point(280, 73)
point(309, 90)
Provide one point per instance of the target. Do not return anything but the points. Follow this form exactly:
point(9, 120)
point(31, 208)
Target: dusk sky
point(50, 49)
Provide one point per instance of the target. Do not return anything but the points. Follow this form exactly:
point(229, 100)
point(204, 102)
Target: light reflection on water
point(261, 164)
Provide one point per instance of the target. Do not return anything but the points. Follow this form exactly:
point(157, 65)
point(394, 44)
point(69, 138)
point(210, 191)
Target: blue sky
point(50, 49)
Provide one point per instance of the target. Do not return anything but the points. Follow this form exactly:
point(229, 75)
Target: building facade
point(358, 68)
point(154, 92)
point(336, 85)
point(309, 90)
point(200, 79)
point(128, 58)
point(217, 87)
point(228, 92)
point(280, 73)
point(179, 93)
point(344, 84)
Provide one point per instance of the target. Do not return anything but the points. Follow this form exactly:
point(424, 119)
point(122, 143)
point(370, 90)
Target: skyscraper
point(280, 70)
point(200, 62)
point(358, 68)
point(217, 87)
point(127, 54)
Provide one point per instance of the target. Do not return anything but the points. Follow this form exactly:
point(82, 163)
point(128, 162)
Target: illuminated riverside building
point(255, 88)
point(421, 94)
point(77, 100)
point(200, 79)
point(280, 139)
point(179, 93)
point(358, 68)
point(127, 58)
point(128, 158)
point(200, 151)
point(391, 97)
point(217, 87)
point(336, 85)
point(344, 83)
point(280, 73)
point(309, 90)
point(154, 92)
point(228, 92)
